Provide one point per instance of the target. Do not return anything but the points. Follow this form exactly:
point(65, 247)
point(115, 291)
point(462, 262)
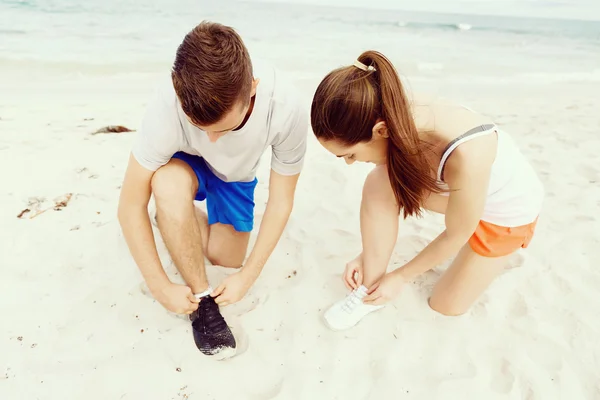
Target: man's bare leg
point(221, 243)
point(174, 187)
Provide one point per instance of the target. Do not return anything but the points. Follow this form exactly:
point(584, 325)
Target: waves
point(105, 33)
point(475, 24)
point(437, 26)
point(427, 74)
point(412, 25)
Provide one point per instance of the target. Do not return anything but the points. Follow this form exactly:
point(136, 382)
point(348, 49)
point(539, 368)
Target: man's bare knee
point(224, 260)
point(174, 182)
point(226, 246)
point(446, 308)
point(227, 251)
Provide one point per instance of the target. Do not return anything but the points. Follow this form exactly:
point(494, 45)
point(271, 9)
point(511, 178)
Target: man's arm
point(135, 224)
point(286, 163)
point(279, 207)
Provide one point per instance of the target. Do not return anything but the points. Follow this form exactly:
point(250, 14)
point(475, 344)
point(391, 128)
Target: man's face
point(232, 120)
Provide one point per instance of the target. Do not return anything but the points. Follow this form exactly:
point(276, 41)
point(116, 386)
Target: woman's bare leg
point(379, 215)
point(469, 275)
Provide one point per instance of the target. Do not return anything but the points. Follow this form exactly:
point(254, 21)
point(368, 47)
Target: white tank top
point(515, 192)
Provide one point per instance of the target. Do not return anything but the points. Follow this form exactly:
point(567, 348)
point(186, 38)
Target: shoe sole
point(337, 329)
point(349, 327)
point(224, 354)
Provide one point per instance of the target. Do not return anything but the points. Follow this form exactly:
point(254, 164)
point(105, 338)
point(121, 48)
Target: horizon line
point(314, 3)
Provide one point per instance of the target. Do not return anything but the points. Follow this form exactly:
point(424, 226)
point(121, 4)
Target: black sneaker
point(211, 333)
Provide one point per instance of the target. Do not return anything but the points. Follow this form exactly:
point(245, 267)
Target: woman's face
point(374, 151)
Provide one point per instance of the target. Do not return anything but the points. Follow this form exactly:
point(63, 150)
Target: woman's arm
point(467, 173)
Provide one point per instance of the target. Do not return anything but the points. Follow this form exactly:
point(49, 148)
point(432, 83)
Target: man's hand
point(387, 289)
point(176, 298)
point(277, 213)
point(233, 288)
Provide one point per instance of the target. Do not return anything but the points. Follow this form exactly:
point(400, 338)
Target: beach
point(77, 320)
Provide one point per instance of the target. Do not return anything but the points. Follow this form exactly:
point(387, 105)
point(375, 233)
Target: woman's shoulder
point(443, 121)
point(447, 118)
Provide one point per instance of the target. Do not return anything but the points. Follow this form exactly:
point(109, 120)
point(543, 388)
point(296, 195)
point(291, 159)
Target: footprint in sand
point(479, 309)
point(143, 288)
point(519, 308)
point(562, 284)
point(535, 146)
point(590, 173)
point(545, 353)
point(503, 378)
point(344, 233)
point(584, 218)
point(516, 260)
point(271, 393)
point(337, 177)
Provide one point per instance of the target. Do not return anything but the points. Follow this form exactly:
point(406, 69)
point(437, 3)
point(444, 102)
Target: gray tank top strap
point(465, 137)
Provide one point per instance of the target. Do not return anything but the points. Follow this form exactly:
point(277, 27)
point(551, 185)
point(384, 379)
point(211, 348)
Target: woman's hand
point(353, 275)
point(386, 289)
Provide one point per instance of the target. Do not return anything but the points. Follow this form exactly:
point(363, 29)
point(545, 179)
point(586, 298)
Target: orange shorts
point(491, 240)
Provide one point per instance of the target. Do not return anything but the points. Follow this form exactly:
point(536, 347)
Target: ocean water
point(116, 37)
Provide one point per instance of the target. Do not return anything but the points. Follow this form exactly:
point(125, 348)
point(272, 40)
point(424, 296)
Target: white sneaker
point(349, 311)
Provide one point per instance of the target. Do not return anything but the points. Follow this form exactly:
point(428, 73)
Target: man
point(201, 139)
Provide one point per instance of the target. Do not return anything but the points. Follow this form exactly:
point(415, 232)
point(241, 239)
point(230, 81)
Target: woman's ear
point(380, 130)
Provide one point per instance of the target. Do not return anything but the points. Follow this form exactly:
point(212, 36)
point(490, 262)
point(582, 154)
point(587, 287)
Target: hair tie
point(364, 67)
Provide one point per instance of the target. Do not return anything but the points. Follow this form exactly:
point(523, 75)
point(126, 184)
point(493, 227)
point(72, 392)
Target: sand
point(77, 323)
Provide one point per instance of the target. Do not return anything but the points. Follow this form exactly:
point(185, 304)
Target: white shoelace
point(353, 300)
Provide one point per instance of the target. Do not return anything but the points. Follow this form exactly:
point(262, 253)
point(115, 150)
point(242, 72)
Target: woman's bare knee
point(464, 281)
point(447, 308)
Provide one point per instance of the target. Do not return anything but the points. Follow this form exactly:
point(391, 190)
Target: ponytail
point(408, 169)
point(350, 100)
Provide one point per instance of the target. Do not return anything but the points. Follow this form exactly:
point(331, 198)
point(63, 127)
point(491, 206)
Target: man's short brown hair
point(212, 72)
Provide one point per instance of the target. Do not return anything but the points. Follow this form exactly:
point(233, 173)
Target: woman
point(428, 155)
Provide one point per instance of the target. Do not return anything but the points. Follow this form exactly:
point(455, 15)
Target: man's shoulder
point(164, 93)
point(285, 100)
point(278, 83)
point(161, 120)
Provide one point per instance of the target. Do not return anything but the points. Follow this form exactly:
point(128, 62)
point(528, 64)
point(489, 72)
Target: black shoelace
point(209, 319)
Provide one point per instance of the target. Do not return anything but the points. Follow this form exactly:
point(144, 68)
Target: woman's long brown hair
point(350, 101)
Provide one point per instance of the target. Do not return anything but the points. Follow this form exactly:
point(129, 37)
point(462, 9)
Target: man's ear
point(255, 82)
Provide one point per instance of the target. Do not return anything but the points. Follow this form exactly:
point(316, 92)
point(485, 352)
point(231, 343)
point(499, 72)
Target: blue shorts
point(230, 203)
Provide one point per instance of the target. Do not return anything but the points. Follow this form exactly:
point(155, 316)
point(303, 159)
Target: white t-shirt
point(277, 120)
